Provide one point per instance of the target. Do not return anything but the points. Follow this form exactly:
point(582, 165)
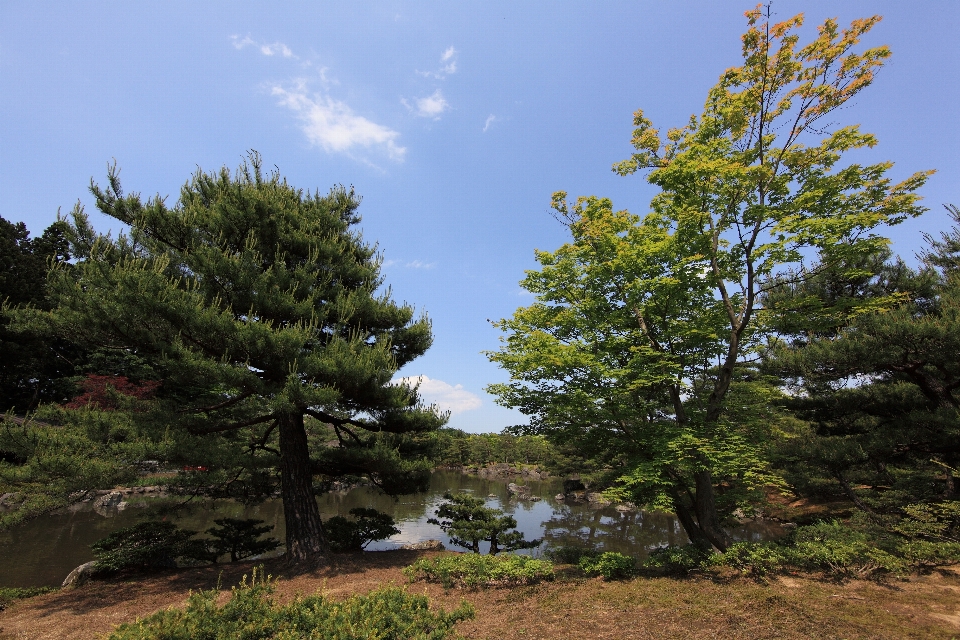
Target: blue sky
point(454, 121)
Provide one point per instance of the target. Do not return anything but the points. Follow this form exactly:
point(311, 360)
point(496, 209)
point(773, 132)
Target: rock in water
point(426, 545)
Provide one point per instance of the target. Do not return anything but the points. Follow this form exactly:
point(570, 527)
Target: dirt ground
point(571, 607)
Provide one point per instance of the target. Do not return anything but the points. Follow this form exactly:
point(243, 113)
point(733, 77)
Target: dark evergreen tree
point(36, 368)
point(258, 305)
point(877, 382)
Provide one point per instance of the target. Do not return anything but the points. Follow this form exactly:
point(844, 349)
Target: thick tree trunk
point(706, 509)
point(306, 540)
point(690, 526)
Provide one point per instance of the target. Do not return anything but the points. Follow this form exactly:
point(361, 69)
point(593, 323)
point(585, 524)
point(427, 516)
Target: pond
point(43, 551)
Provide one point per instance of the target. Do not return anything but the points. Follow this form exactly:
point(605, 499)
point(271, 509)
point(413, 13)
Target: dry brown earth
point(569, 608)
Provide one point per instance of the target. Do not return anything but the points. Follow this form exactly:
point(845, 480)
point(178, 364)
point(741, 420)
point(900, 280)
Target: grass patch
point(9, 594)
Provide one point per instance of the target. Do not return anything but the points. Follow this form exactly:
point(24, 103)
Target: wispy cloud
point(454, 399)
point(490, 120)
point(448, 65)
point(418, 264)
point(429, 107)
point(271, 49)
point(333, 126)
point(413, 264)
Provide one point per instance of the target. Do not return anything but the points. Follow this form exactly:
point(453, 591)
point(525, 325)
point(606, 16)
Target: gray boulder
point(81, 574)
point(426, 545)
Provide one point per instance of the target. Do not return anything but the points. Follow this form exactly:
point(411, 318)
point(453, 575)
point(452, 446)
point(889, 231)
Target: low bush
point(924, 554)
point(473, 570)
point(570, 554)
point(353, 535)
point(844, 551)
point(144, 545)
point(240, 538)
point(610, 564)
point(679, 560)
point(755, 559)
point(388, 613)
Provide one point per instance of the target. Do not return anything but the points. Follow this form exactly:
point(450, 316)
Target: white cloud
point(413, 264)
point(490, 120)
point(266, 49)
point(419, 264)
point(430, 107)
point(454, 399)
point(448, 65)
point(332, 124)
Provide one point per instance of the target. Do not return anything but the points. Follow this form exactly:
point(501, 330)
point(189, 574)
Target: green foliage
point(36, 368)
point(844, 551)
point(368, 525)
point(678, 559)
point(640, 343)
point(570, 554)
point(938, 521)
point(755, 559)
point(609, 564)
point(388, 613)
point(143, 546)
point(257, 304)
point(468, 522)
point(452, 447)
point(472, 570)
point(60, 456)
point(240, 538)
point(9, 594)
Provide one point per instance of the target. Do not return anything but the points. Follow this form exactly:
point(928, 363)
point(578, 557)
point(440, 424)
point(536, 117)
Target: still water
point(43, 551)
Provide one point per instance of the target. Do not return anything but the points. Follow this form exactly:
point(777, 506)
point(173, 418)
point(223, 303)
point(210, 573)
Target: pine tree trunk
point(306, 540)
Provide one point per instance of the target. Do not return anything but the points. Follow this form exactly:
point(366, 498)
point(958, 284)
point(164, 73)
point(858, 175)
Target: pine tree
point(258, 305)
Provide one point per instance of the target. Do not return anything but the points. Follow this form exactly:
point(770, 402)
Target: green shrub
point(843, 550)
point(937, 521)
point(9, 594)
point(570, 554)
point(240, 538)
point(144, 545)
point(677, 559)
point(610, 564)
point(924, 553)
point(755, 559)
point(368, 525)
point(469, 522)
point(473, 570)
point(389, 613)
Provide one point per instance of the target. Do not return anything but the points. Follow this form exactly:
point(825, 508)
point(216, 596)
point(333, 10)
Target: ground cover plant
point(9, 594)
point(388, 613)
point(474, 570)
point(609, 564)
